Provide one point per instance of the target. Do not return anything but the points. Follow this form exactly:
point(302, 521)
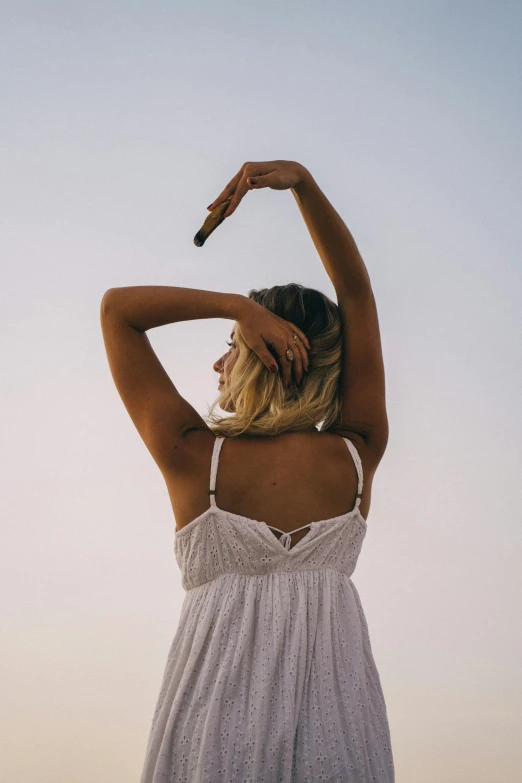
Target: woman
point(270, 677)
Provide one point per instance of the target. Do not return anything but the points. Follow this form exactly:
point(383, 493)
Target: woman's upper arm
point(362, 375)
point(159, 413)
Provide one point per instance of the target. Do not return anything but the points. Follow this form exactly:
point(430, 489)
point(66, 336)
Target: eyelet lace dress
point(270, 677)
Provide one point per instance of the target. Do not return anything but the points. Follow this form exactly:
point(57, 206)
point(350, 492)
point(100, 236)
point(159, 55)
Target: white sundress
point(270, 677)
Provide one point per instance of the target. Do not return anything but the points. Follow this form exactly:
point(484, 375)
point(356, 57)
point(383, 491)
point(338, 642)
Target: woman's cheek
point(232, 360)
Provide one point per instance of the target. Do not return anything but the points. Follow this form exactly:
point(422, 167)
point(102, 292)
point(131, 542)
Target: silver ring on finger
point(290, 355)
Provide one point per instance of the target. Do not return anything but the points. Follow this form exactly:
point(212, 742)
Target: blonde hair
point(261, 404)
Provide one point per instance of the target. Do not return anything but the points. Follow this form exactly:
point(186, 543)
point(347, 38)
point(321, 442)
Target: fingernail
point(273, 367)
point(253, 181)
point(209, 206)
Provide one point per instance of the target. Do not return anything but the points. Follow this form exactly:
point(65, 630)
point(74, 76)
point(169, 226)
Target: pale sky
point(120, 123)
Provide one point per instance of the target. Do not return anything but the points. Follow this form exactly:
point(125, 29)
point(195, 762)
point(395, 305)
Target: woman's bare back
point(286, 480)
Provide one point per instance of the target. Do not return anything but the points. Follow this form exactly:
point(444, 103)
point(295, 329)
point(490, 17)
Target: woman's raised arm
point(332, 238)
point(362, 379)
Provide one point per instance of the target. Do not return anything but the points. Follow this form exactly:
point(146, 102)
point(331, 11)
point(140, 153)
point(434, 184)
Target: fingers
point(301, 359)
point(261, 349)
point(300, 334)
point(298, 347)
point(302, 343)
point(241, 188)
point(286, 368)
point(297, 364)
point(287, 365)
point(228, 191)
point(240, 185)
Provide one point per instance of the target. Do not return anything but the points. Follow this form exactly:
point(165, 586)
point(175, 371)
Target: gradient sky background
point(120, 122)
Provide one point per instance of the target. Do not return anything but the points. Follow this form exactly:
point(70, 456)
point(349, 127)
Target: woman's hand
point(262, 329)
point(275, 174)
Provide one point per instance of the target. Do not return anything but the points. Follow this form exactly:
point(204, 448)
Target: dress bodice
point(219, 541)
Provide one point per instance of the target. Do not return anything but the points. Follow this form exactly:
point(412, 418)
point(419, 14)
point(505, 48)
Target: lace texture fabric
point(270, 677)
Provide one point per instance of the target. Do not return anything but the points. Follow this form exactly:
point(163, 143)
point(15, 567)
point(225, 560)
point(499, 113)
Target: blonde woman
point(270, 677)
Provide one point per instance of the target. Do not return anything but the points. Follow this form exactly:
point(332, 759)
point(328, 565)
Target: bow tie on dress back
point(285, 540)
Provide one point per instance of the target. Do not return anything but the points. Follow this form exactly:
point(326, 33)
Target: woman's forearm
point(332, 239)
point(147, 306)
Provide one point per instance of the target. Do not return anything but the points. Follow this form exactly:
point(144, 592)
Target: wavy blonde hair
point(261, 404)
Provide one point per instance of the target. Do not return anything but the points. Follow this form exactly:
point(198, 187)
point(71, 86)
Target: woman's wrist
point(239, 304)
point(305, 179)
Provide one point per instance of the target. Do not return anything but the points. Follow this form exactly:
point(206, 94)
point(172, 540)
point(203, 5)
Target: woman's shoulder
point(200, 441)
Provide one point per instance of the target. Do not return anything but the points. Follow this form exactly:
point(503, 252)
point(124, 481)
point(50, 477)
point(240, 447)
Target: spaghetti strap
point(218, 442)
point(358, 466)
